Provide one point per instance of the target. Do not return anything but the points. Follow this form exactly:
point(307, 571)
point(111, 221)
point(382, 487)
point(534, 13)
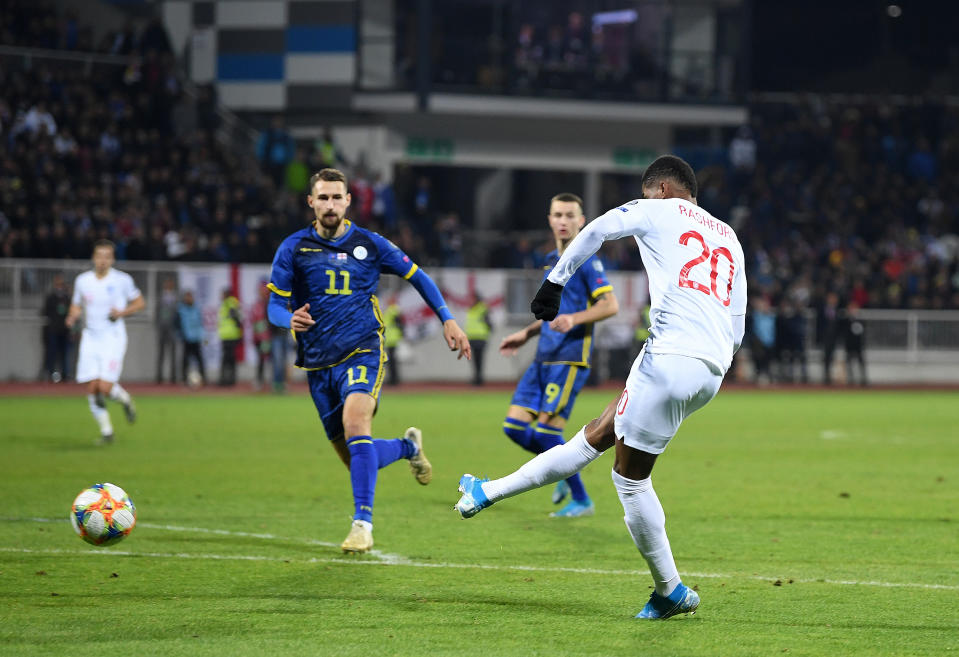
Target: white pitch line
point(385, 559)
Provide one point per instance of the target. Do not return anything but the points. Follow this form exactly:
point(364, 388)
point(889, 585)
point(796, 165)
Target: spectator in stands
point(762, 339)
point(393, 334)
point(326, 154)
point(230, 328)
point(791, 342)
point(384, 203)
point(478, 327)
point(191, 330)
point(297, 174)
point(57, 337)
point(275, 149)
point(262, 335)
point(828, 327)
point(167, 322)
point(854, 338)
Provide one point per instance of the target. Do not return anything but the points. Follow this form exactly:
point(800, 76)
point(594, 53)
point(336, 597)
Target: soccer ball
point(103, 514)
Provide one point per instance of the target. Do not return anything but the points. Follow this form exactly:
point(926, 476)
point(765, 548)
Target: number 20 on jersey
point(713, 257)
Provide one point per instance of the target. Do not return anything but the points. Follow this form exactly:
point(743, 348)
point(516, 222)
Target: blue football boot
point(575, 509)
point(683, 600)
point(473, 499)
point(560, 492)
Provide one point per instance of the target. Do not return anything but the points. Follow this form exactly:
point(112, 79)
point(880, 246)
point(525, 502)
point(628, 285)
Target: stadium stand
point(854, 196)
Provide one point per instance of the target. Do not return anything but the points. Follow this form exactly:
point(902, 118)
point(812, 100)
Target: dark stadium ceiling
point(907, 46)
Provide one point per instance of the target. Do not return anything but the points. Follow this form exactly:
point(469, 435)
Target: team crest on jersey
point(360, 253)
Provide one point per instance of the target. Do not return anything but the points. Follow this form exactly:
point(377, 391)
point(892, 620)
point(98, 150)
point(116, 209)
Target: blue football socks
point(392, 450)
point(363, 470)
point(546, 437)
point(519, 432)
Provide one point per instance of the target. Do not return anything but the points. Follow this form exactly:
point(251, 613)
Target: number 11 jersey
point(696, 270)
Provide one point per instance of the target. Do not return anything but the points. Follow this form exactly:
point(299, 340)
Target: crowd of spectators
point(860, 199)
point(596, 49)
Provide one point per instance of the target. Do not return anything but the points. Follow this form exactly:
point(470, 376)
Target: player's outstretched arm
point(454, 335)
point(606, 306)
point(514, 341)
point(618, 222)
point(456, 339)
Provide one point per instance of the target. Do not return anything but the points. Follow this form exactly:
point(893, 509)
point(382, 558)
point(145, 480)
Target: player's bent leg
point(519, 431)
point(339, 446)
point(549, 434)
point(600, 433)
point(118, 394)
point(547, 468)
point(420, 466)
point(101, 415)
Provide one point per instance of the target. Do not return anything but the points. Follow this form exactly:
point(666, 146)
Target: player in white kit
point(103, 297)
point(697, 286)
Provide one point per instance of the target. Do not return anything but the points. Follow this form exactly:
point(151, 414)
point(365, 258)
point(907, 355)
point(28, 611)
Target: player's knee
point(600, 433)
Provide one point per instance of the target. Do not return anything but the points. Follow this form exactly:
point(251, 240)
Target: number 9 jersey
point(696, 270)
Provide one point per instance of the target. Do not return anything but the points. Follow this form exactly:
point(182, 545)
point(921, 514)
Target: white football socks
point(101, 415)
point(117, 393)
point(547, 468)
point(647, 525)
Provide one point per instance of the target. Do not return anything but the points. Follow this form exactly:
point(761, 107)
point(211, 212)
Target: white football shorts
point(661, 391)
point(101, 358)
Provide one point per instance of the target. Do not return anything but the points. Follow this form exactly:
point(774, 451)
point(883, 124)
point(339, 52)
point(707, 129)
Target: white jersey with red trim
point(696, 270)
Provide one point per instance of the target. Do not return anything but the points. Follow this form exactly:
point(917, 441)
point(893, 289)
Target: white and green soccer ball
point(103, 514)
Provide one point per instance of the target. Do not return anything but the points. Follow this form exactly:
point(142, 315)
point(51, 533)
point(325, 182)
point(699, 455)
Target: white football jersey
point(696, 269)
point(98, 296)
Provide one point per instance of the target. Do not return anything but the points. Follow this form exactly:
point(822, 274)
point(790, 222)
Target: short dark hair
point(675, 169)
point(567, 197)
point(329, 175)
point(105, 244)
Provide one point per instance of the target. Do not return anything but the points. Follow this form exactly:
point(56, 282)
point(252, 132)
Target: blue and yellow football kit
point(561, 367)
point(344, 352)
point(554, 379)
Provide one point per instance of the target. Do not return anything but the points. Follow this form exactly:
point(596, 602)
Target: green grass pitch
point(811, 524)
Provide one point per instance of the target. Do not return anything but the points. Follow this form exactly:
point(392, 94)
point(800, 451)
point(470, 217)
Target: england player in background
point(103, 297)
point(545, 395)
point(697, 285)
point(323, 285)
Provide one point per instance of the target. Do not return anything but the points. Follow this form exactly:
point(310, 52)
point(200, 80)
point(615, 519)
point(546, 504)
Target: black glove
point(545, 304)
